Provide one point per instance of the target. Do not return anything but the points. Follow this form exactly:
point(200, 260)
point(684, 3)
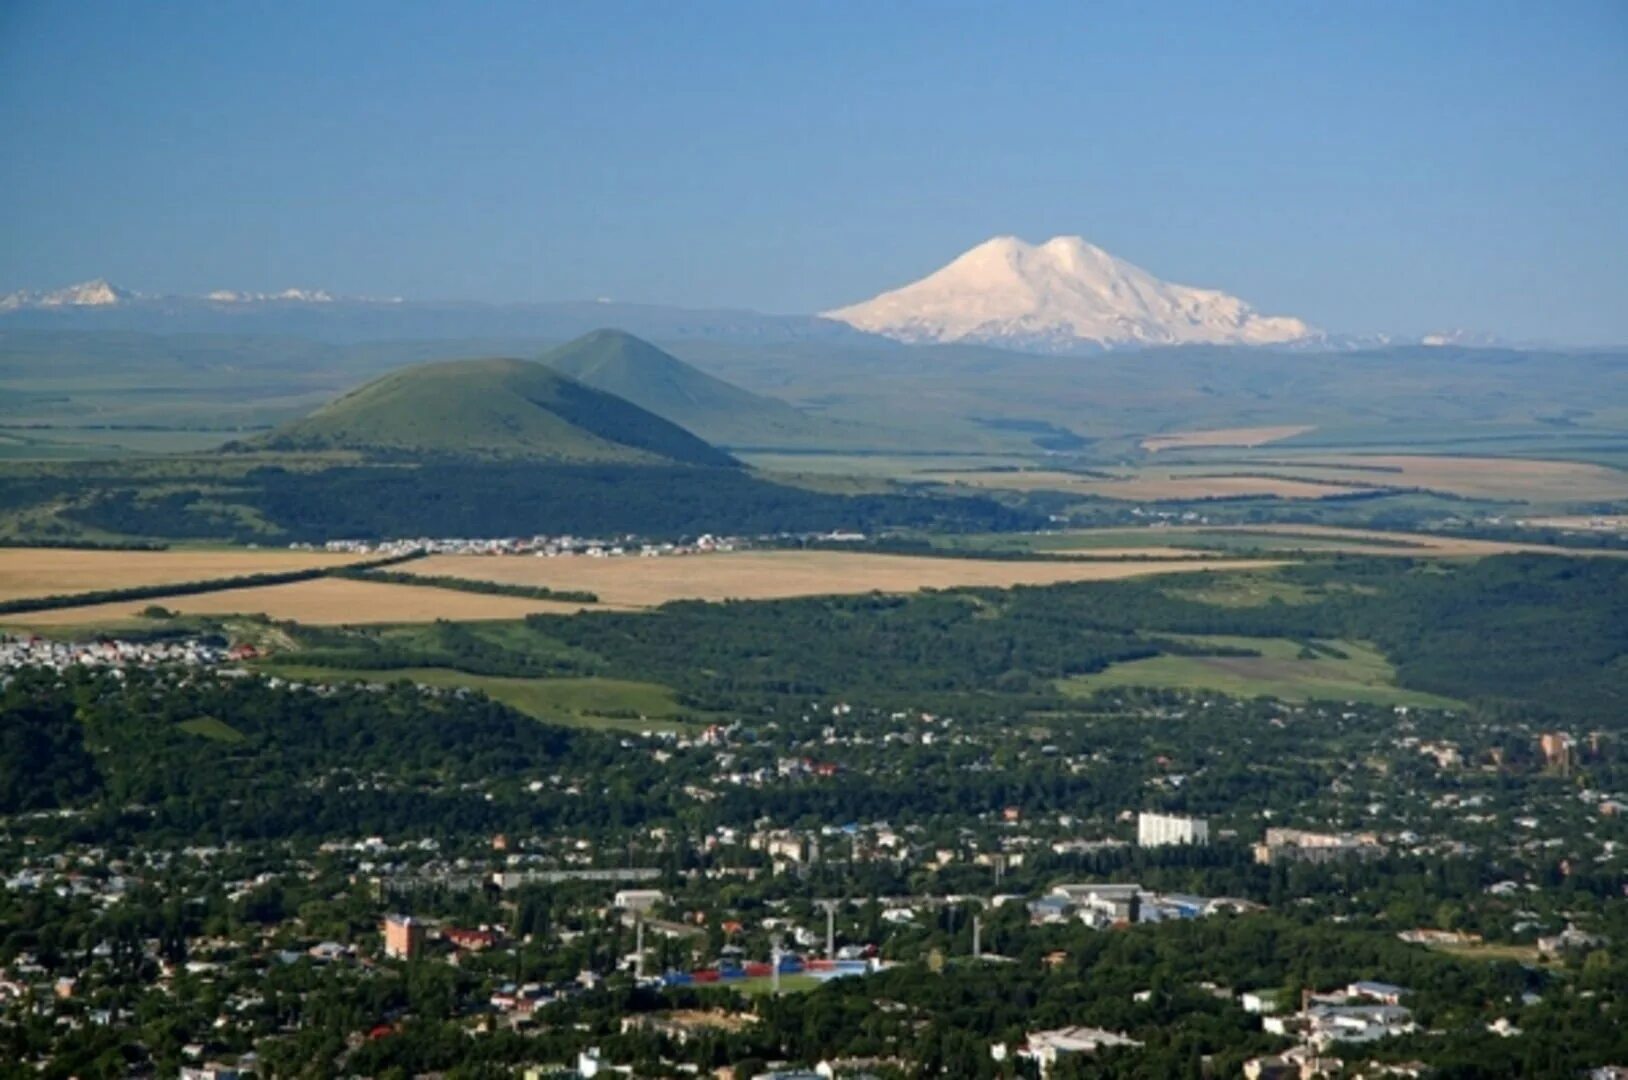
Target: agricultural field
point(73, 444)
point(1246, 437)
point(1290, 670)
point(320, 601)
point(877, 466)
point(34, 572)
point(1143, 485)
point(766, 575)
point(1518, 479)
point(602, 704)
point(1595, 523)
point(1304, 476)
point(1378, 542)
point(1174, 541)
point(1309, 538)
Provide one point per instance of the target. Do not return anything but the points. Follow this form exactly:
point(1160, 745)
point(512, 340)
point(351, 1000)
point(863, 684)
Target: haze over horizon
point(1382, 168)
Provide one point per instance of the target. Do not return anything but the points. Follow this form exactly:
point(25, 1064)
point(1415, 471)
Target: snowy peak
point(1061, 296)
point(295, 296)
point(97, 293)
point(1468, 338)
point(100, 294)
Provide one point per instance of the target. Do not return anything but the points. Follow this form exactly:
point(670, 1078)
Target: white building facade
point(1167, 830)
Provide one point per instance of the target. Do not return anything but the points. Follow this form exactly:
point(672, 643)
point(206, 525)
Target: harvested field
point(1308, 538)
point(1474, 477)
point(1322, 476)
point(1255, 436)
point(322, 601)
point(762, 575)
point(1376, 542)
point(33, 572)
point(1598, 523)
point(1147, 485)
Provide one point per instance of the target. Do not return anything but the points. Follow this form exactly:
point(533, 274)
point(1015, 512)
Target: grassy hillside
point(493, 409)
point(720, 412)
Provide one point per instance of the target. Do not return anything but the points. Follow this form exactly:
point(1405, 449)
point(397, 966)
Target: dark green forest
point(486, 499)
point(1543, 634)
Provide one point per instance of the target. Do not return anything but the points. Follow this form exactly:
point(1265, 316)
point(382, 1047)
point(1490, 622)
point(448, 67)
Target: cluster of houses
point(35, 651)
point(1298, 845)
point(542, 546)
point(1047, 1048)
point(1361, 1012)
point(566, 545)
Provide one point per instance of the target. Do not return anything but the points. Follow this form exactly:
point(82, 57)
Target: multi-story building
point(1297, 845)
point(1166, 830)
point(403, 937)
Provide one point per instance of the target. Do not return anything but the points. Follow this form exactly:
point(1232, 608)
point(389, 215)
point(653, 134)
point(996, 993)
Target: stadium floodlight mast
point(830, 909)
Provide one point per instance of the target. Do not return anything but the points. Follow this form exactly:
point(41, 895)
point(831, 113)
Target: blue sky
point(1366, 166)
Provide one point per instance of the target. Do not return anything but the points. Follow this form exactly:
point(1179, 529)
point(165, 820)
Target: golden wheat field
point(764, 575)
point(1254, 436)
point(321, 601)
point(31, 572)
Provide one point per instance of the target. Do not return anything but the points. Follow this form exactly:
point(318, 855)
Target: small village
point(19, 651)
point(565, 546)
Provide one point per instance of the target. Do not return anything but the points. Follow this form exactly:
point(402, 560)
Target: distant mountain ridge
point(325, 316)
point(1062, 296)
point(498, 409)
point(720, 412)
point(86, 294)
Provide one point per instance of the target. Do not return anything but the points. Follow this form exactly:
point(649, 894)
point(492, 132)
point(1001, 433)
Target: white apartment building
point(1165, 830)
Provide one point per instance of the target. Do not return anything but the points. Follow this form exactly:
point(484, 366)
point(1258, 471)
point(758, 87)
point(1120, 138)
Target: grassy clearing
point(1247, 590)
point(1340, 671)
point(210, 728)
point(602, 704)
point(1489, 953)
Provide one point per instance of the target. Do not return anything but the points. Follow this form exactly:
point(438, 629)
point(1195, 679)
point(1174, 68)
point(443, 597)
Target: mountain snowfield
point(1061, 296)
point(98, 293)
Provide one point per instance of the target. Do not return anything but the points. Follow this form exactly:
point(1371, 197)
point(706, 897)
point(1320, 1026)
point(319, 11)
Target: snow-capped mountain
point(332, 316)
point(1473, 339)
point(97, 293)
point(294, 296)
point(1062, 296)
point(101, 293)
